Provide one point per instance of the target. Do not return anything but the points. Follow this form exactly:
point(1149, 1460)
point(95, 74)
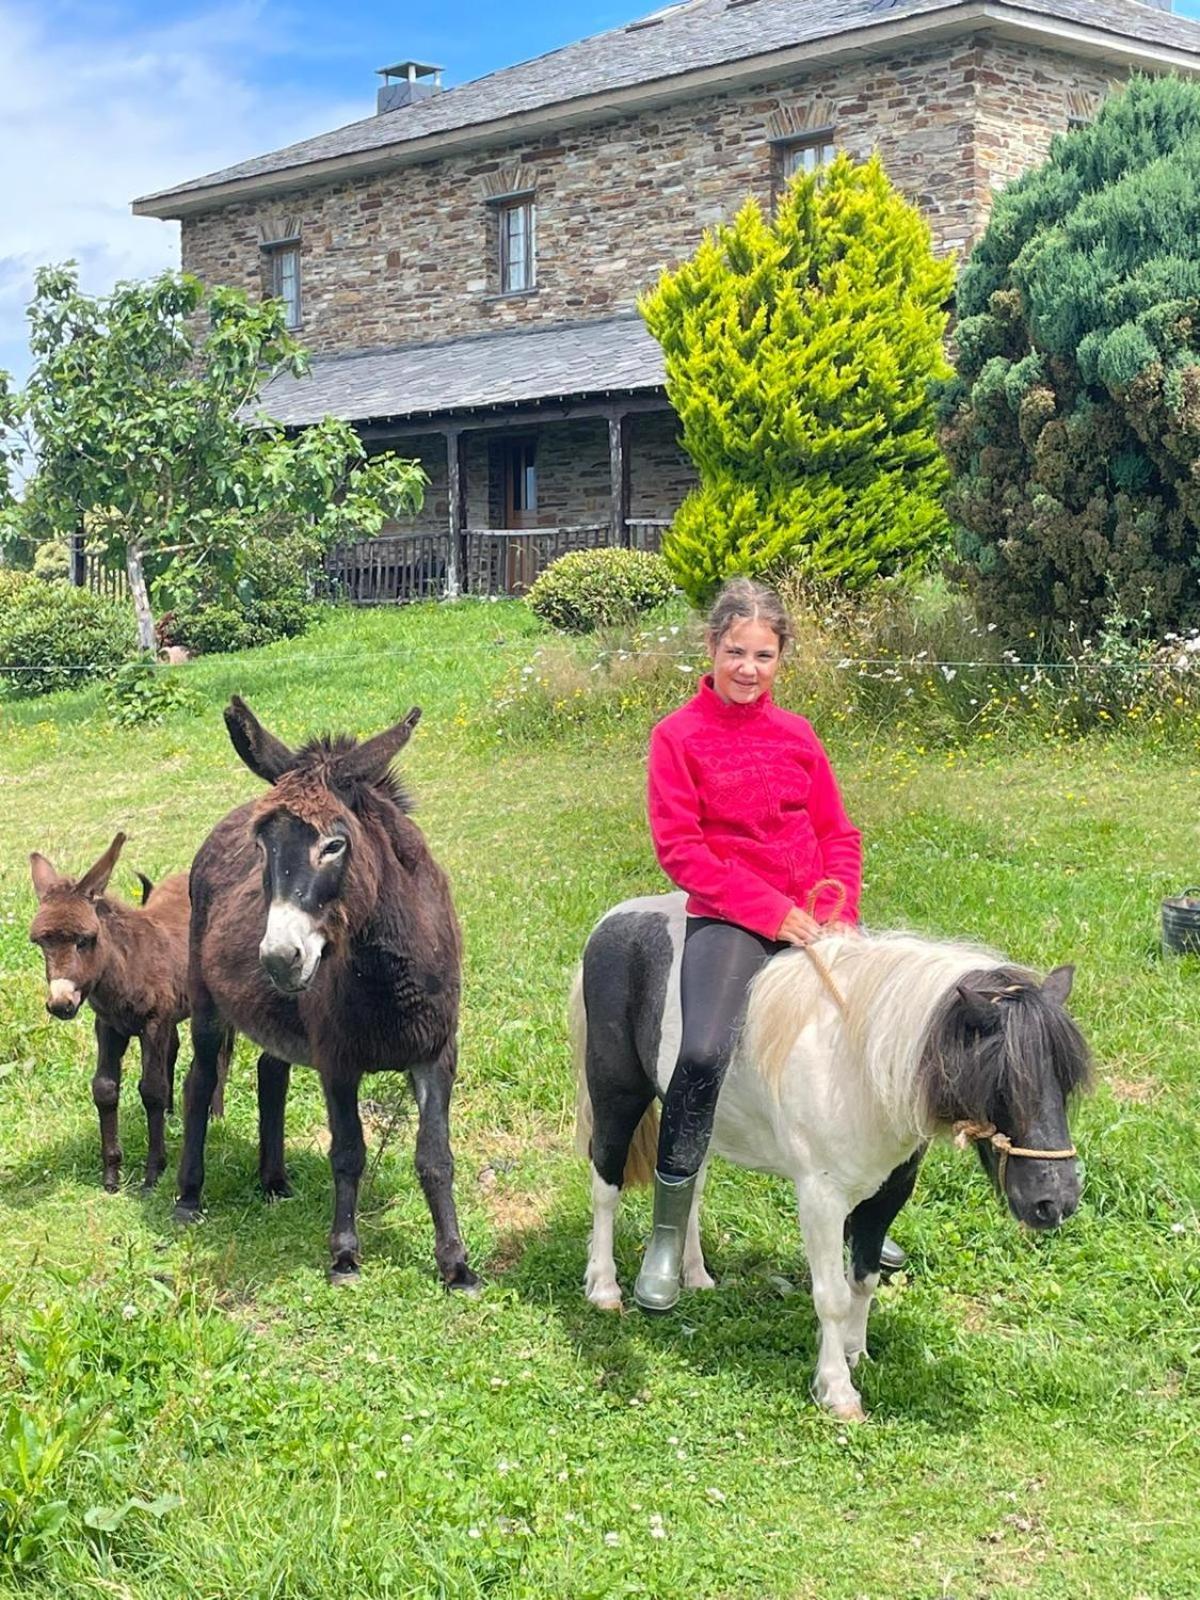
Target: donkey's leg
point(695, 1274)
point(106, 1094)
point(869, 1223)
point(172, 1057)
point(822, 1222)
point(620, 1094)
point(432, 1083)
point(154, 1088)
point(274, 1076)
point(347, 1157)
point(198, 1089)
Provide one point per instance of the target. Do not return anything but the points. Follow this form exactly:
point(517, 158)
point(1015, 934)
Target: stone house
point(465, 263)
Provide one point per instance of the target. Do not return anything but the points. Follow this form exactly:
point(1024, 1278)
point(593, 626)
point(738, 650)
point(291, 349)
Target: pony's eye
point(332, 849)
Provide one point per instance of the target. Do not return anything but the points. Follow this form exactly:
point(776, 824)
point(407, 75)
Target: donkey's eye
point(85, 941)
point(332, 849)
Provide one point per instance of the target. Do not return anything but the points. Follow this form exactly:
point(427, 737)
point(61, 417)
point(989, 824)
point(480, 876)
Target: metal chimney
point(407, 82)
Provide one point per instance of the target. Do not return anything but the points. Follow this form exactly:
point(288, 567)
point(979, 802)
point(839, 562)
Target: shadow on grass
point(759, 1323)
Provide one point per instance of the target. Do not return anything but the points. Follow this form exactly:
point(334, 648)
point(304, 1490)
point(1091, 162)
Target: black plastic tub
point(1181, 924)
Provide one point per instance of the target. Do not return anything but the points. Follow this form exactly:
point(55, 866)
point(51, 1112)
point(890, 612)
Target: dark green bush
point(1073, 428)
point(211, 629)
point(590, 589)
point(53, 636)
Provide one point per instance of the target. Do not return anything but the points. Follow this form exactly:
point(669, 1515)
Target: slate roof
point(676, 40)
point(559, 361)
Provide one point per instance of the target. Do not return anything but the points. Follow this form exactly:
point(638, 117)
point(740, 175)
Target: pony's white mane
point(893, 985)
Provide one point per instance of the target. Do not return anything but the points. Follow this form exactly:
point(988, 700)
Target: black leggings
point(719, 960)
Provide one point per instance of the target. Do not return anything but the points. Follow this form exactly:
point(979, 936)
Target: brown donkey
point(130, 964)
point(323, 928)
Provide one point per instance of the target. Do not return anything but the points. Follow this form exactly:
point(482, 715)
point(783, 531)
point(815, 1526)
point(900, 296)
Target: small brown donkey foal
point(130, 964)
point(323, 928)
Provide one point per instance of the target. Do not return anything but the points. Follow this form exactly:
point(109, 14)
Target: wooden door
point(520, 511)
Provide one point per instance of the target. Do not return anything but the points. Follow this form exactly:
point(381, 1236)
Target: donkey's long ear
point(980, 1011)
point(266, 756)
point(368, 762)
point(95, 879)
point(43, 874)
point(1058, 984)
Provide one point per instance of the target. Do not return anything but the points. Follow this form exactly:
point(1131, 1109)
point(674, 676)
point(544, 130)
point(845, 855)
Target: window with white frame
point(516, 220)
point(283, 279)
point(806, 153)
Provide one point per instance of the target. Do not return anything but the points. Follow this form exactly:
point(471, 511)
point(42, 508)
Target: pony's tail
point(643, 1147)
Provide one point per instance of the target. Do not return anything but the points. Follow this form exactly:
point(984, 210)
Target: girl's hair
point(743, 600)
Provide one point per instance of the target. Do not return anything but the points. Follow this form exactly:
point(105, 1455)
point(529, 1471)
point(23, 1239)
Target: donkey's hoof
point(463, 1281)
point(150, 1181)
point(112, 1183)
point(185, 1215)
point(345, 1275)
point(276, 1189)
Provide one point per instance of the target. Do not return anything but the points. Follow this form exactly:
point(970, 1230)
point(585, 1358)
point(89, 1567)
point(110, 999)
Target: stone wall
point(411, 255)
point(1025, 97)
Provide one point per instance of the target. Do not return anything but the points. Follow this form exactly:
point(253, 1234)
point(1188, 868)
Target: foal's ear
point(980, 1011)
point(1058, 984)
point(43, 874)
point(95, 879)
point(368, 762)
point(266, 756)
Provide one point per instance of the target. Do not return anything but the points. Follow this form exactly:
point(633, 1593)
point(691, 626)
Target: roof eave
point(1006, 16)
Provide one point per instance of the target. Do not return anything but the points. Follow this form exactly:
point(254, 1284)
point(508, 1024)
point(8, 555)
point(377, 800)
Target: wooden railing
point(490, 561)
point(114, 585)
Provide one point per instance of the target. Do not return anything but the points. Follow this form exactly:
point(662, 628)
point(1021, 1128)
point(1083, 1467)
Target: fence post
point(78, 558)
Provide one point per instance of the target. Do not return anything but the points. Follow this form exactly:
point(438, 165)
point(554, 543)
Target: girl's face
point(745, 661)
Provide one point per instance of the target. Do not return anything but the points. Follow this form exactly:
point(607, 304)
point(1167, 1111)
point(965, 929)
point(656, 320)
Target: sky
point(106, 100)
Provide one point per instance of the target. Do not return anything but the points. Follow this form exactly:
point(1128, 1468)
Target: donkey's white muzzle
point(291, 948)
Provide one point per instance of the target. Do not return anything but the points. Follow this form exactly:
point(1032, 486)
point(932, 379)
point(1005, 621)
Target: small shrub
point(223, 625)
point(52, 562)
point(54, 636)
point(143, 692)
point(590, 589)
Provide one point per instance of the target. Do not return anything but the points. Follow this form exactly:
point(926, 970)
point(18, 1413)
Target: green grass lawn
point(1034, 1401)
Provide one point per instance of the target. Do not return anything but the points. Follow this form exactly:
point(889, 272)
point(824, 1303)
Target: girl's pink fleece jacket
point(745, 813)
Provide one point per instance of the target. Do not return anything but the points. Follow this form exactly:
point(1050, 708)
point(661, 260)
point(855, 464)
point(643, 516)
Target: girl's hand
point(799, 928)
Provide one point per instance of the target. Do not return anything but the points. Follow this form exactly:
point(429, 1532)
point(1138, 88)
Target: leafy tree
point(1074, 425)
point(137, 412)
point(800, 353)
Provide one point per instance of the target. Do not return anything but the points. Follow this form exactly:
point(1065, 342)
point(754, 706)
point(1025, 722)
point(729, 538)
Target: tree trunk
point(136, 570)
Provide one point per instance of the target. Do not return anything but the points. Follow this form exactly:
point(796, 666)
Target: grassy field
point(197, 1413)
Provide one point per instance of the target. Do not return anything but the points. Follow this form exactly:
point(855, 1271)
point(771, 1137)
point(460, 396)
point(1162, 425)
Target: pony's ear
point(368, 762)
point(980, 1011)
point(266, 756)
point(43, 874)
point(1058, 985)
point(95, 879)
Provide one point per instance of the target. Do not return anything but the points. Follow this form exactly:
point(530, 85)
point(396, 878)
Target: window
point(284, 281)
point(516, 220)
point(806, 154)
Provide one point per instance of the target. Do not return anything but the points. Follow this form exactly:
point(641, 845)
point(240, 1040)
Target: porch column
point(456, 464)
point(78, 558)
point(618, 457)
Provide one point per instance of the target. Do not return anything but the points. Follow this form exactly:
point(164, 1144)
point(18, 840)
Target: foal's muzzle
point(64, 999)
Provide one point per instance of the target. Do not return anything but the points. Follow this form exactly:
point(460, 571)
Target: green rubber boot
point(657, 1286)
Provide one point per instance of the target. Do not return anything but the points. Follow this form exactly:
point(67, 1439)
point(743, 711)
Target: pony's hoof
point(612, 1303)
point(186, 1215)
point(698, 1278)
point(851, 1411)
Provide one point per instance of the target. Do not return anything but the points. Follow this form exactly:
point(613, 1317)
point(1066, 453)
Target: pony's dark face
point(304, 869)
point(1013, 1057)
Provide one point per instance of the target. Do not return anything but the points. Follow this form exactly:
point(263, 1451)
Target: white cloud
point(91, 117)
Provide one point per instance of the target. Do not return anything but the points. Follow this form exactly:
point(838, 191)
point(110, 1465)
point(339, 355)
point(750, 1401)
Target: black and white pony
point(845, 1070)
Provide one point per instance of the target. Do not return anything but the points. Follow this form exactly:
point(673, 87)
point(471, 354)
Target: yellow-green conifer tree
point(801, 351)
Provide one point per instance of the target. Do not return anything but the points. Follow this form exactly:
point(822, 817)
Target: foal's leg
point(822, 1222)
point(198, 1090)
point(274, 1076)
point(869, 1223)
point(347, 1157)
point(154, 1088)
point(432, 1083)
point(106, 1095)
point(695, 1274)
point(172, 1057)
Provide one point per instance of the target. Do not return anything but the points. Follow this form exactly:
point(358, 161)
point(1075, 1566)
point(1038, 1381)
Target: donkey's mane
point(323, 761)
point(898, 990)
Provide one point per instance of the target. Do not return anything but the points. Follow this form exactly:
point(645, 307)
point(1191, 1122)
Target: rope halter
point(966, 1133)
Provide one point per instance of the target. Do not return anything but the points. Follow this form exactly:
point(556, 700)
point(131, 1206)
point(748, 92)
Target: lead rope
point(822, 970)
